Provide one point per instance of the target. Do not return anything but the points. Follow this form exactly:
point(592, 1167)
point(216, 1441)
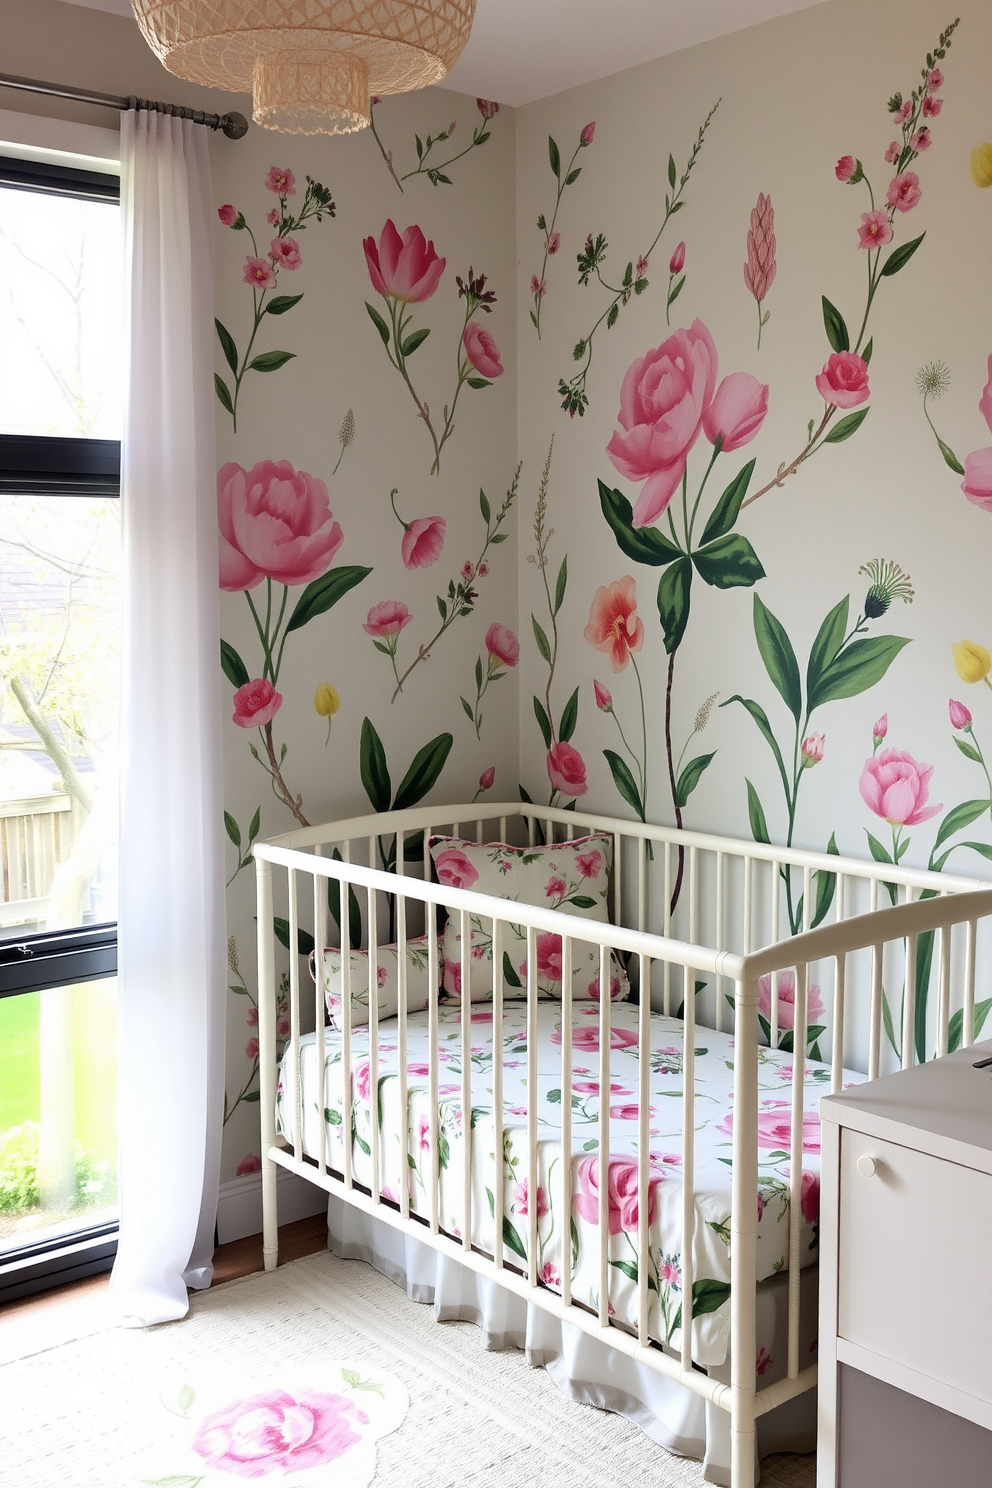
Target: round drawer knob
point(867, 1166)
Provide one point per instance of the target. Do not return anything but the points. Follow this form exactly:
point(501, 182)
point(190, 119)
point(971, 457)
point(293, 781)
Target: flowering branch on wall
point(552, 237)
point(262, 274)
point(407, 271)
point(276, 529)
point(574, 399)
point(759, 271)
point(843, 381)
point(387, 619)
point(843, 662)
point(503, 654)
point(248, 1094)
point(616, 629)
point(428, 163)
point(933, 381)
point(565, 765)
point(243, 849)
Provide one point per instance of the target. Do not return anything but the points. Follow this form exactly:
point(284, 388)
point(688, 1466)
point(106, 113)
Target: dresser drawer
point(915, 1274)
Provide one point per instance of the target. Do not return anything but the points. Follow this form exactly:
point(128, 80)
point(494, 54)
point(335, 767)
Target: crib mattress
point(405, 1144)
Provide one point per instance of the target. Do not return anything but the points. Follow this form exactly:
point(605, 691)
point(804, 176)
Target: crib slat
point(909, 1003)
point(796, 1162)
point(944, 997)
point(402, 993)
point(667, 972)
point(565, 1228)
point(347, 1107)
point(840, 993)
point(643, 1147)
point(294, 1015)
point(617, 877)
point(433, 979)
point(694, 895)
point(718, 981)
point(968, 1025)
point(466, 1031)
point(532, 1173)
point(502, 829)
point(875, 1023)
point(807, 897)
point(688, 1159)
point(604, 1138)
point(747, 911)
point(374, 1136)
point(499, 1180)
point(642, 884)
point(319, 1012)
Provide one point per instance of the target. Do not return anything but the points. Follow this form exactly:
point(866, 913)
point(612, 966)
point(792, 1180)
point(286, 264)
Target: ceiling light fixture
point(311, 65)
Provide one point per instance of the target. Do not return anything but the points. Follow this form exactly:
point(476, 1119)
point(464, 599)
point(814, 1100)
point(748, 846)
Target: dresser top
point(944, 1107)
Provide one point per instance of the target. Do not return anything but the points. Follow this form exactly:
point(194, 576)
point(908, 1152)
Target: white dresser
point(905, 1392)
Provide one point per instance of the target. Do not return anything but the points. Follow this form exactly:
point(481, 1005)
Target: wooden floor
point(89, 1297)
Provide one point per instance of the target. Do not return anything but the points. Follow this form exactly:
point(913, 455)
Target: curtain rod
point(235, 126)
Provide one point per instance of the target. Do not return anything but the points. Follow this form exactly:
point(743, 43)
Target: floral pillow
point(388, 1003)
point(569, 876)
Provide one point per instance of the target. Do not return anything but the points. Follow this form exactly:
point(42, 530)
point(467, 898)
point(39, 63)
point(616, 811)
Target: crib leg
point(743, 1462)
point(270, 1215)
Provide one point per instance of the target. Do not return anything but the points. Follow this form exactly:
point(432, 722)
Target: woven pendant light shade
point(311, 65)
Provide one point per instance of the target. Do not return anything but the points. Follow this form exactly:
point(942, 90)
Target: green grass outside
point(95, 1037)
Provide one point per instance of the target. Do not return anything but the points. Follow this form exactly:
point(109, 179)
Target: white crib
point(684, 905)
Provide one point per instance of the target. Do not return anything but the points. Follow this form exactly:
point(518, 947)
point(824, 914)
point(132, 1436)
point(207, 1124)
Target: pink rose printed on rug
point(310, 1430)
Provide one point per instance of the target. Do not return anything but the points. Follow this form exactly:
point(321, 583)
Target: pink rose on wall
point(959, 714)
point(423, 541)
point(282, 182)
point(250, 1164)
point(227, 214)
point(844, 380)
point(904, 191)
point(622, 1193)
point(897, 787)
point(387, 618)
point(481, 350)
point(567, 770)
point(256, 703)
point(258, 273)
point(403, 268)
point(502, 645)
point(662, 401)
point(588, 133)
point(455, 869)
point(875, 229)
point(614, 626)
point(737, 412)
point(285, 252)
point(977, 483)
point(787, 1001)
point(275, 523)
point(279, 1432)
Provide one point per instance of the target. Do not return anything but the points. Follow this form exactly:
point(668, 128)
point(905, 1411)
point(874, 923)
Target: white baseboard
point(239, 1205)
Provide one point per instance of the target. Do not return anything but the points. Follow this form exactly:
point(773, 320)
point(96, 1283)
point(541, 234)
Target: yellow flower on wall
point(326, 702)
point(981, 165)
point(972, 661)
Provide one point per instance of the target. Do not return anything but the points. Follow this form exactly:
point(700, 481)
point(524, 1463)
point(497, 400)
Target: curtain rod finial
point(235, 126)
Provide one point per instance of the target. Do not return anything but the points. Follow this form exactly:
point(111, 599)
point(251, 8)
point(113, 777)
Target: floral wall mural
point(707, 342)
point(337, 508)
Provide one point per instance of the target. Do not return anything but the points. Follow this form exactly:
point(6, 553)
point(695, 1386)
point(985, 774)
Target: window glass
point(59, 663)
point(61, 315)
point(58, 1091)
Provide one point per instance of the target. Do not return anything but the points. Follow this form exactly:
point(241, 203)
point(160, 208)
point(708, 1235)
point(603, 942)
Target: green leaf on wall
point(624, 780)
point(543, 721)
point(270, 361)
point(643, 544)
point(956, 1025)
point(484, 507)
point(554, 157)
point(374, 770)
point(778, 656)
point(829, 639)
point(354, 912)
point(671, 171)
point(569, 717)
point(760, 717)
point(573, 176)
point(728, 563)
point(725, 513)
point(281, 303)
point(969, 751)
point(961, 816)
point(543, 644)
point(845, 427)
point(378, 322)
point(691, 776)
point(320, 596)
point(232, 666)
point(415, 339)
point(835, 326)
point(304, 940)
point(824, 884)
point(858, 667)
point(950, 458)
point(232, 829)
point(223, 392)
point(756, 815)
point(561, 584)
point(423, 773)
point(673, 602)
point(227, 346)
point(899, 257)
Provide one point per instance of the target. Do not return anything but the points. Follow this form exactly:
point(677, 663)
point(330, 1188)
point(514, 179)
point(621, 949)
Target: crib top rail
point(423, 818)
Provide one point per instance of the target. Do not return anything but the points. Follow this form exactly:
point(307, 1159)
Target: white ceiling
point(521, 50)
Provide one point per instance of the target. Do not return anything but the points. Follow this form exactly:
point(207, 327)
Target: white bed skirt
point(583, 1368)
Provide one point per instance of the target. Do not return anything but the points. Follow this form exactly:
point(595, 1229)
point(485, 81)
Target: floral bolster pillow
point(417, 982)
point(569, 876)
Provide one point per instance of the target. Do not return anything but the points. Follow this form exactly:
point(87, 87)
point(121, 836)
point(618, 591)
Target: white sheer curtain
point(171, 954)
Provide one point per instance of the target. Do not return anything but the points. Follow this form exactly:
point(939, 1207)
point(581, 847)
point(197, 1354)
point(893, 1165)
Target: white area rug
point(92, 1412)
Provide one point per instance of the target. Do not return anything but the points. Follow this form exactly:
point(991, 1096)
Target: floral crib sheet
point(404, 1151)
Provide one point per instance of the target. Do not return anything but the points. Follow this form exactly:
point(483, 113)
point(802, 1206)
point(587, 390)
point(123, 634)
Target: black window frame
point(57, 466)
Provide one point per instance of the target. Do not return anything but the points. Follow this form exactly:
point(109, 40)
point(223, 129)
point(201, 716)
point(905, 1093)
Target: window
point(61, 398)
